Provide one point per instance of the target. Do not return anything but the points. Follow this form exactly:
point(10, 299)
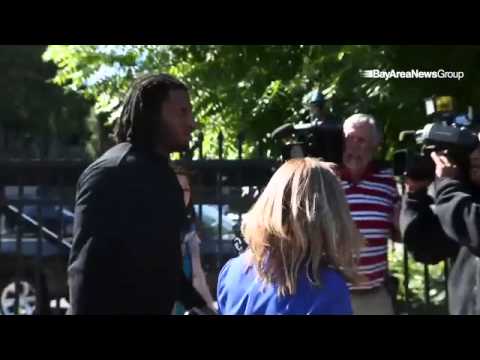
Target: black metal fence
point(34, 245)
point(35, 231)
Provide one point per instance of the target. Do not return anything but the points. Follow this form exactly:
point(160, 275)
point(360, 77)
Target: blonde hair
point(301, 220)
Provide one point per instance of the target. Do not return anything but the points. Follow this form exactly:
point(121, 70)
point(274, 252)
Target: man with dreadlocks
point(126, 256)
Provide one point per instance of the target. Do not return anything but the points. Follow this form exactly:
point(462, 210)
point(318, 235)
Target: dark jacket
point(126, 255)
point(455, 219)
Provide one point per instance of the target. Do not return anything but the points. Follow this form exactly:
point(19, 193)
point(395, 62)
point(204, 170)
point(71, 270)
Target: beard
point(355, 162)
point(183, 143)
point(177, 147)
point(174, 143)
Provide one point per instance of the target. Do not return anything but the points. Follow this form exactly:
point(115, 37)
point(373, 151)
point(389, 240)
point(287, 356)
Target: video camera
point(448, 131)
point(318, 138)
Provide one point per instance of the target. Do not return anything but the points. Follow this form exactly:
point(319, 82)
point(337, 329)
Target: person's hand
point(205, 310)
point(444, 167)
point(214, 306)
point(192, 236)
point(416, 185)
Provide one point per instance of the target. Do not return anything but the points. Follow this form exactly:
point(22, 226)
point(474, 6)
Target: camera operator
point(454, 220)
point(318, 108)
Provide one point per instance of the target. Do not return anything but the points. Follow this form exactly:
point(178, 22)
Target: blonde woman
point(302, 245)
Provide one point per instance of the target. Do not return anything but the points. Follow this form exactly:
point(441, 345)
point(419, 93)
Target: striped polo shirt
point(371, 202)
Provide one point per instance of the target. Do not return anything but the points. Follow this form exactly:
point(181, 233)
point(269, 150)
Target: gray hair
point(357, 119)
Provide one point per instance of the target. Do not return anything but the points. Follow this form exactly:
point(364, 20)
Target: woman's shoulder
point(333, 278)
point(330, 281)
point(236, 262)
point(235, 266)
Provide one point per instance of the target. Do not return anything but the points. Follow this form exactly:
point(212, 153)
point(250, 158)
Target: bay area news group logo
point(412, 74)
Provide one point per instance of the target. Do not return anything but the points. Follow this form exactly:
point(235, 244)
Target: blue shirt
point(239, 292)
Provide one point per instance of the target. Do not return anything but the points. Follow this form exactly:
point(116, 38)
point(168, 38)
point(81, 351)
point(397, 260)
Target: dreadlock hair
point(142, 106)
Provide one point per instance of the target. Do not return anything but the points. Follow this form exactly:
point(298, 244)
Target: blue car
point(42, 269)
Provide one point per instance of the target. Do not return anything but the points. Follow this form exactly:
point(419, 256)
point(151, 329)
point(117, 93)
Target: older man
point(372, 196)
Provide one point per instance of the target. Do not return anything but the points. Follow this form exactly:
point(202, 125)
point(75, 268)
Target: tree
point(32, 106)
point(253, 89)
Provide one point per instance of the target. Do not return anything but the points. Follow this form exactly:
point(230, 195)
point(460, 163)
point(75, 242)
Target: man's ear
point(376, 147)
point(379, 143)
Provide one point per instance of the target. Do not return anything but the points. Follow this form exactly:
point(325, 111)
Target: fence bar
point(39, 293)
point(406, 278)
point(19, 252)
point(426, 275)
point(446, 269)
